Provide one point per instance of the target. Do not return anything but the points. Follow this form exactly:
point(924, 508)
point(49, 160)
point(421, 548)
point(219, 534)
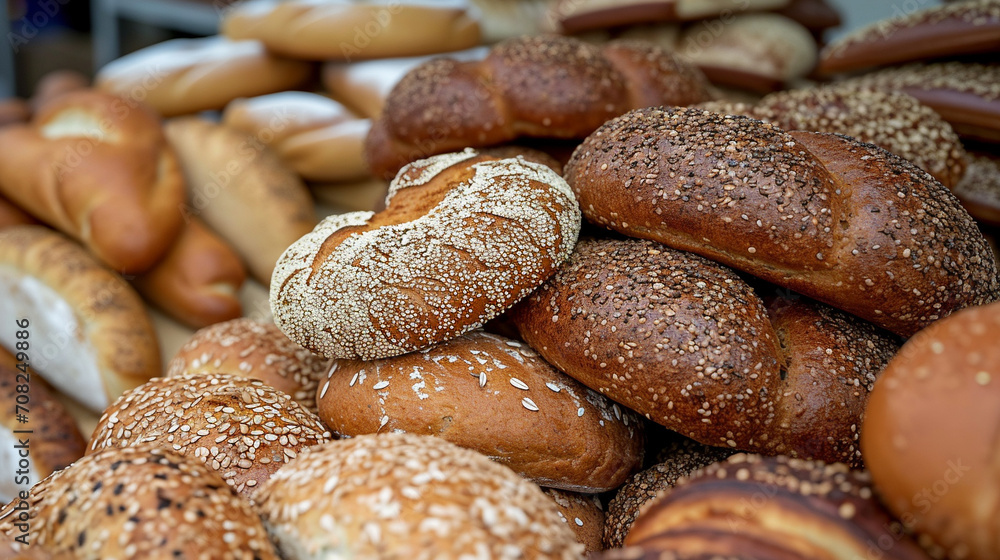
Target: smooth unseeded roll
point(407, 496)
point(830, 217)
point(495, 396)
point(463, 237)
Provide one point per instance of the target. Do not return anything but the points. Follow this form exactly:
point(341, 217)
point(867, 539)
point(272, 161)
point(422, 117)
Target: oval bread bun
point(140, 502)
point(258, 350)
point(407, 496)
point(240, 427)
point(929, 436)
point(495, 396)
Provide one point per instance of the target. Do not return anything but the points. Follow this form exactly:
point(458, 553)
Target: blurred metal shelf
point(189, 16)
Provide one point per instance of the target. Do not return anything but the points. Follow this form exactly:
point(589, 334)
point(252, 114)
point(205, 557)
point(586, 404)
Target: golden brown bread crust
point(835, 219)
point(543, 87)
point(929, 437)
point(242, 191)
point(112, 320)
point(773, 507)
point(979, 189)
point(140, 502)
point(250, 348)
point(98, 168)
point(198, 281)
point(583, 514)
point(464, 236)
point(495, 396)
point(892, 120)
point(407, 496)
point(240, 427)
point(11, 215)
point(948, 30)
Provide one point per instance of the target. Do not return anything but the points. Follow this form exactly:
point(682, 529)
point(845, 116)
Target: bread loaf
point(575, 16)
point(242, 191)
point(90, 336)
point(97, 167)
point(55, 84)
point(463, 237)
point(827, 216)
point(14, 110)
point(928, 436)
point(979, 189)
point(495, 396)
point(11, 215)
point(400, 495)
point(583, 514)
point(545, 87)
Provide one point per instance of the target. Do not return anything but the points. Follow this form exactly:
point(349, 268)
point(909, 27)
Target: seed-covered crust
point(240, 427)
point(583, 514)
point(401, 495)
point(140, 502)
point(979, 189)
point(463, 237)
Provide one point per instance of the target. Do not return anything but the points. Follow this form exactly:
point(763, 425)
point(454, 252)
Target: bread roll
point(575, 16)
point(198, 281)
point(98, 168)
point(835, 219)
point(55, 84)
point(495, 396)
point(255, 349)
point(979, 189)
point(140, 502)
point(11, 215)
point(353, 30)
point(242, 191)
point(362, 196)
point(583, 514)
point(463, 237)
point(317, 137)
point(928, 437)
point(14, 110)
point(400, 495)
point(184, 76)
point(240, 427)
point(88, 332)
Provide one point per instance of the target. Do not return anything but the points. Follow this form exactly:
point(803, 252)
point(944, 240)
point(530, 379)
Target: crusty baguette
point(242, 191)
point(841, 221)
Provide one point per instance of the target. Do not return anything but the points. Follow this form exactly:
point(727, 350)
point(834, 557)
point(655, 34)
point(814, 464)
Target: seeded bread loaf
point(583, 514)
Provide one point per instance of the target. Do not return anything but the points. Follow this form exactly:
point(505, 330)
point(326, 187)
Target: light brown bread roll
point(11, 215)
point(184, 76)
point(495, 396)
point(463, 237)
point(401, 495)
point(56, 83)
point(250, 348)
point(583, 514)
point(98, 168)
point(240, 427)
point(89, 334)
point(242, 191)
point(928, 438)
point(140, 502)
point(835, 219)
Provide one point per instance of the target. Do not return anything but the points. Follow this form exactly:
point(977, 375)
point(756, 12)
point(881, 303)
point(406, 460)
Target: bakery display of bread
point(354, 29)
point(98, 168)
point(90, 336)
point(928, 436)
point(979, 189)
point(583, 514)
point(496, 396)
point(255, 349)
point(828, 216)
point(401, 495)
point(138, 502)
point(540, 87)
point(771, 507)
point(242, 191)
point(242, 428)
point(463, 237)
point(969, 27)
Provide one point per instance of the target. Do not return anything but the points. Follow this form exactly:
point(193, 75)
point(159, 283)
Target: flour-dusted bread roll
point(463, 237)
point(256, 349)
point(87, 330)
point(407, 496)
point(495, 396)
point(240, 427)
point(242, 191)
point(139, 502)
point(184, 76)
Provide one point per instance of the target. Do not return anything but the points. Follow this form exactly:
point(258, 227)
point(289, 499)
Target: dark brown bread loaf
point(772, 508)
point(838, 220)
point(495, 396)
point(543, 87)
point(687, 343)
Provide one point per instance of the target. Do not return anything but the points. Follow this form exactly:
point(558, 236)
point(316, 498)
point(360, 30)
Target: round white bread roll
point(87, 331)
point(407, 496)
